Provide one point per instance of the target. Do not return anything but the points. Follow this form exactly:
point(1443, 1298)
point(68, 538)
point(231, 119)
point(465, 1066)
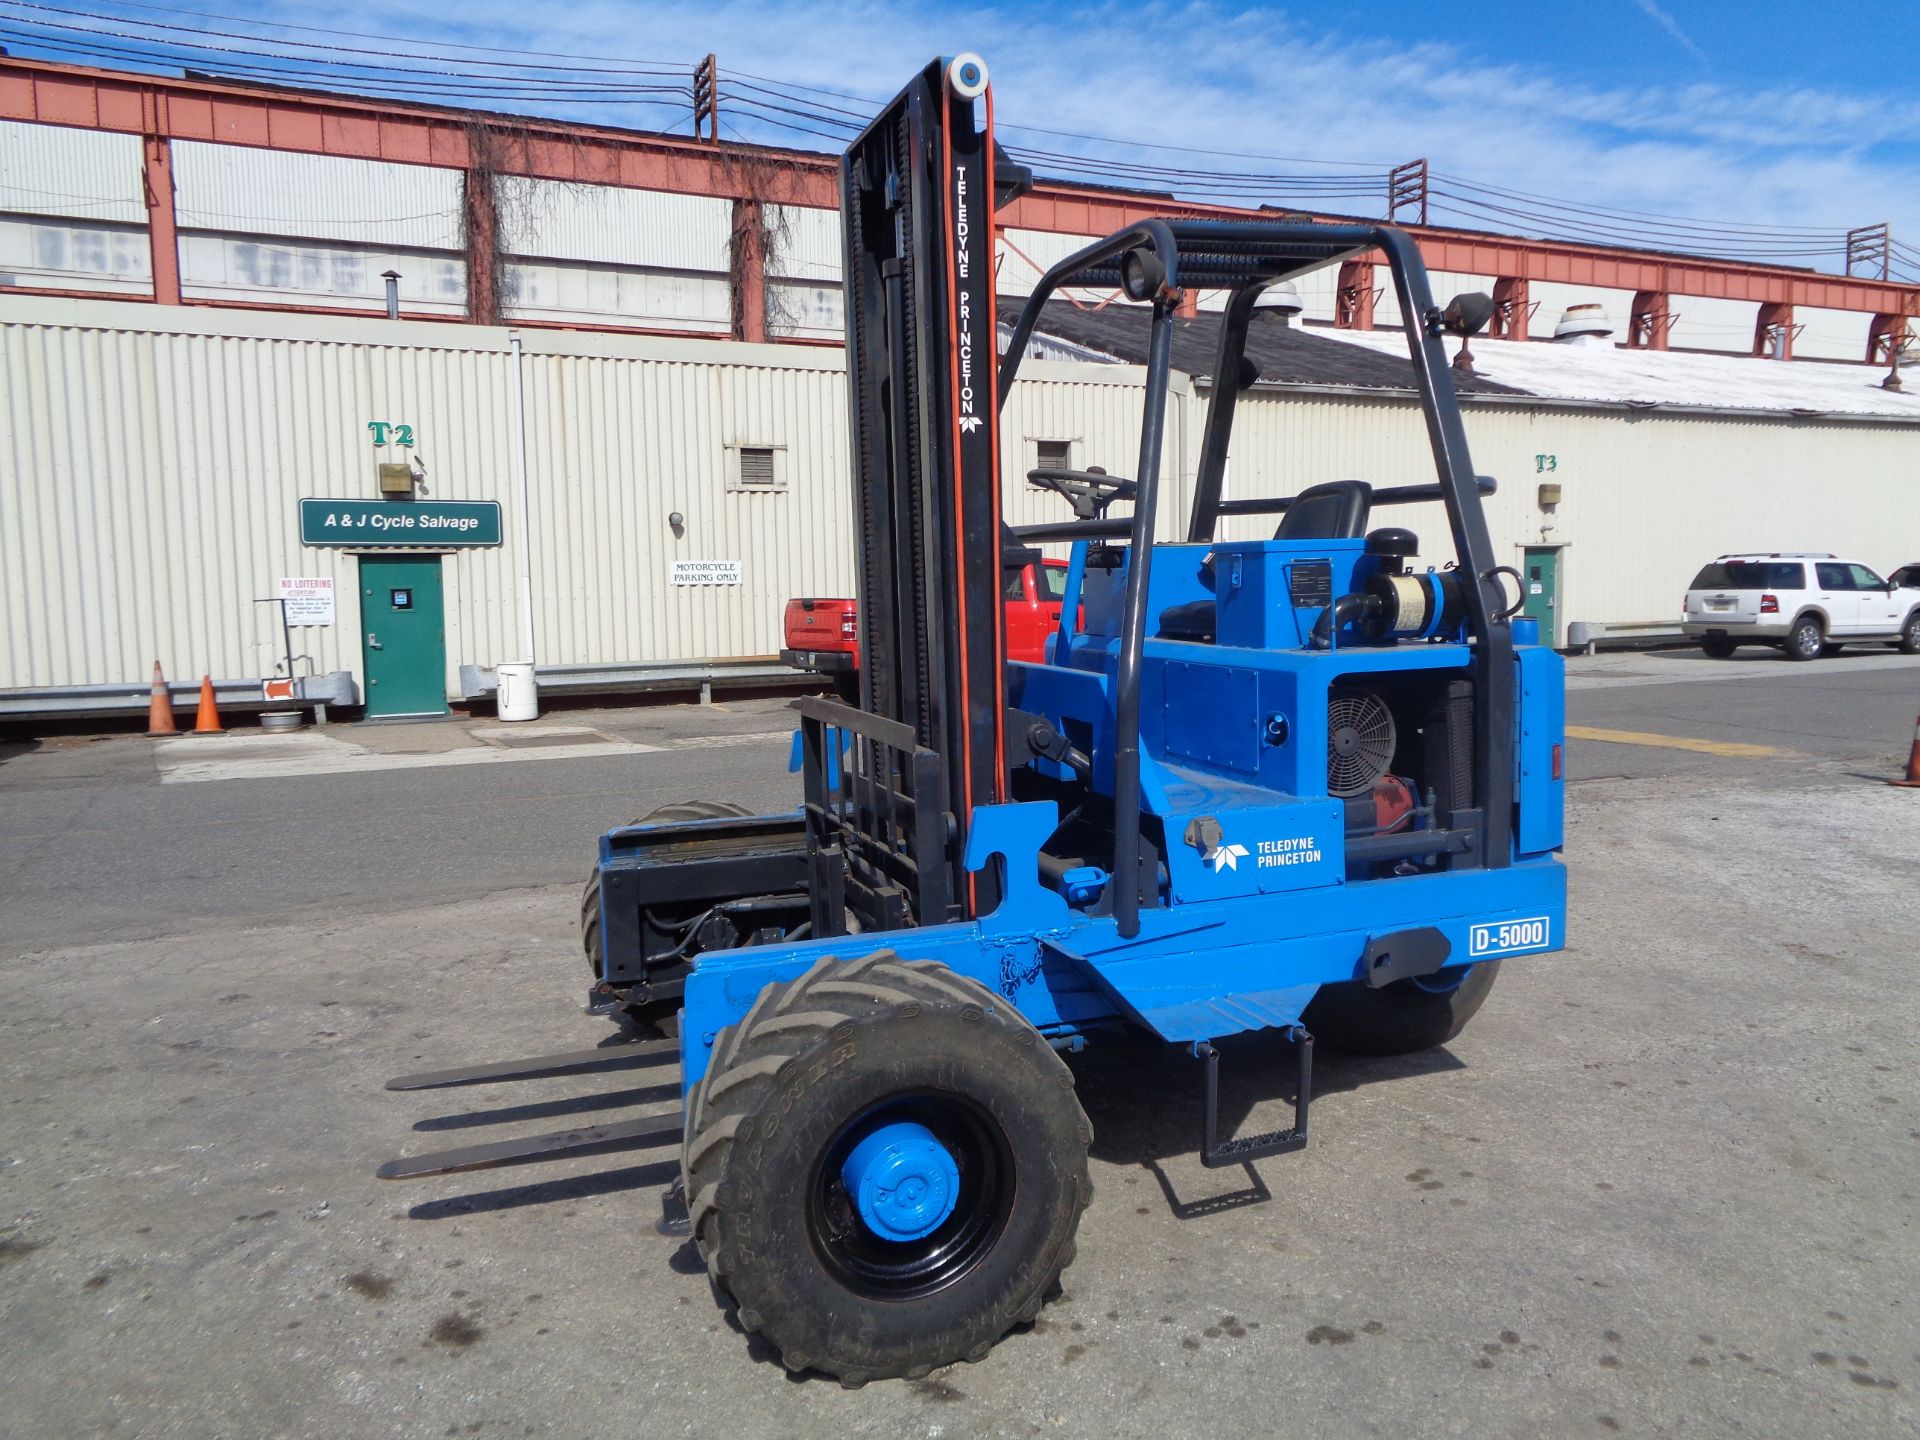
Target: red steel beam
point(238, 114)
point(163, 234)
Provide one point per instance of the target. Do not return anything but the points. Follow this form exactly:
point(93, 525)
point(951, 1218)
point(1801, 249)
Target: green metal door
point(403, 636)
point(1542, 570)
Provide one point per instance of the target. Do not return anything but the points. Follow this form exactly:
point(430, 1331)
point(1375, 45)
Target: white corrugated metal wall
point(1646, 498)
point(154, 466)
point(156, 459)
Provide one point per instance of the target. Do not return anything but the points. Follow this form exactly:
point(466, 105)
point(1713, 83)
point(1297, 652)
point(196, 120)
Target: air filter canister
point(1413, 606)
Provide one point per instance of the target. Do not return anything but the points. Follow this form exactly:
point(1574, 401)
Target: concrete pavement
point(1663, 1185)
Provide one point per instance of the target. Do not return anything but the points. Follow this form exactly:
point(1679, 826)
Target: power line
point(1549, 201)
point(666, 66)
point(190, 48)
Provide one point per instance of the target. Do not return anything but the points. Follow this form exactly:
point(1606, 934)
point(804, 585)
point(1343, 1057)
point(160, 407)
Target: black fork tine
point(537, 1067)
point(650, 1130)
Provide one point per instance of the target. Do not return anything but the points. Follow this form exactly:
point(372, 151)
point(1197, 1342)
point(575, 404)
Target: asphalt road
point(1663, 1185)
point(93, 846)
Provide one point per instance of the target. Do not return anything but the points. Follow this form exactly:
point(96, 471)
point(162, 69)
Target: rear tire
point(821, 1062)
point(1909, 643)
point(643, 1017)
point(1718, 649)
point(1400, 1018)
point(1805, 641)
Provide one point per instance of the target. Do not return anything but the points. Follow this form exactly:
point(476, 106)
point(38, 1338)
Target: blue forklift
point(1302, 786)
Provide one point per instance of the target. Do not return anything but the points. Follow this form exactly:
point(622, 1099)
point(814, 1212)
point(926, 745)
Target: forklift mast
point(917, 196)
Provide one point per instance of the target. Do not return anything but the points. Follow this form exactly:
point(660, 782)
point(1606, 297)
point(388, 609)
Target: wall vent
point(759, 468)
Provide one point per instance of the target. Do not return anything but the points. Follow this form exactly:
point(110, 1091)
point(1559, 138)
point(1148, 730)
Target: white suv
point(1805, 604)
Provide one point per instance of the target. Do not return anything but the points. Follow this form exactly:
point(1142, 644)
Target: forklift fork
point(644, 1132)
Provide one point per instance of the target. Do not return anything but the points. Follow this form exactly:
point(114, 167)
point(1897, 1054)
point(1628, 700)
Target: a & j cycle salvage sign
point(415, 524)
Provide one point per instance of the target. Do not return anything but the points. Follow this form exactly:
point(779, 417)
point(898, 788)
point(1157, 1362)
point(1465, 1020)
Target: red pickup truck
point(824, 635)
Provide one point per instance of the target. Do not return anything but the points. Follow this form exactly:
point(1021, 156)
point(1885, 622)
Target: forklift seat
point(1336, 510)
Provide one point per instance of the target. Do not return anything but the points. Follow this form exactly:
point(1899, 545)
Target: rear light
point(1769, 604)
point(848, 624)
point(1556, 762)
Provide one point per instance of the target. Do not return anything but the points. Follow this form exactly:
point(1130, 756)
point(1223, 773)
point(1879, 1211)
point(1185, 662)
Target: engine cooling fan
point(1360, 741)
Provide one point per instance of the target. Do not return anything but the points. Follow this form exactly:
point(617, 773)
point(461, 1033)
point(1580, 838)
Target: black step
point(1215, 1152)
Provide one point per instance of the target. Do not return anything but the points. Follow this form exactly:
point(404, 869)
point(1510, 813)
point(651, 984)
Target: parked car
point(823, 635)
point(1907, 576)
point(1801, 602)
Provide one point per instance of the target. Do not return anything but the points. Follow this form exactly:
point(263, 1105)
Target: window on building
point(1054, 454)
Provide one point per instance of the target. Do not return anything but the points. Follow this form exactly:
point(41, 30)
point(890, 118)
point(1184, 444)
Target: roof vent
point(1583, 325)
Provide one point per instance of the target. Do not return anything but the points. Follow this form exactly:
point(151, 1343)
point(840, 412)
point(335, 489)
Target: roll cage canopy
point(1151, 262)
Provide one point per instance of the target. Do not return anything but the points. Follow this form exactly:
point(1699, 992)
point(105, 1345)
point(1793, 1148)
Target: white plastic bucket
point(518, 696)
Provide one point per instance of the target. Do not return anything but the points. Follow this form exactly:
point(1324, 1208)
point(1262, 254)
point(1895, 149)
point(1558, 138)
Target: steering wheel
point(1088, 491)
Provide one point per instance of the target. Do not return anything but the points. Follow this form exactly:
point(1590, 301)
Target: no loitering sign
point(309, 599)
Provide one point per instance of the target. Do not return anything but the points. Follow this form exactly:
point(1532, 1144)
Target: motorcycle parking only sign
point(706, 572)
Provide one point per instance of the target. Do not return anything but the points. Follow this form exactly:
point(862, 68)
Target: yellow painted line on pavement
point(1731, 749)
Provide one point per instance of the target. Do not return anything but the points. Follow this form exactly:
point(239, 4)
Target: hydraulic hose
point(1343, 611)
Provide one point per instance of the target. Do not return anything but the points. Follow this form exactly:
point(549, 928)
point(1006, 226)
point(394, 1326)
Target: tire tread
point(743, 1072)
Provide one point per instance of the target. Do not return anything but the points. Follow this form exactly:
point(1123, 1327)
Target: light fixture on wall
point(678, 522)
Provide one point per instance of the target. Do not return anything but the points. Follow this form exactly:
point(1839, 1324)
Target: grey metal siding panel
point(89, 175)
point(237, 189)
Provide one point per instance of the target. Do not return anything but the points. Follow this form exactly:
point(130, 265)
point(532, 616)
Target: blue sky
point(1768, 115)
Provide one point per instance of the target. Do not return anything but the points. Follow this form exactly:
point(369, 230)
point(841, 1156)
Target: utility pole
point(1868, 247)
point(1407, 189)
point(706, 100)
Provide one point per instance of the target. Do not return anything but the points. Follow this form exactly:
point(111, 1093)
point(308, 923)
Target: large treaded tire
point(1397, 1019)
point(791, 1081)
point(590, 895)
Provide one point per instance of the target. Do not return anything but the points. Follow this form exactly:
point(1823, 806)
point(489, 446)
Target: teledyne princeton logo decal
point(1225, 857)
point(1266, 854)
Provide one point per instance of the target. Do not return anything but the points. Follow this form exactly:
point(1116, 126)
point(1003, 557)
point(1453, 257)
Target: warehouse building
point(631, 508)
point(613, 410)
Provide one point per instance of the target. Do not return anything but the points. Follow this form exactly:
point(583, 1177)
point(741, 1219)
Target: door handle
point(373, 642)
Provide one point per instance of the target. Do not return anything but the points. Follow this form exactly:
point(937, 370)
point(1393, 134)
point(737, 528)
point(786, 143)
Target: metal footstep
point(1215, 1152)
point(539, 1067)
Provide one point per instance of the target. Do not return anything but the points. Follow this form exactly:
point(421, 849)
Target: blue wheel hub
point(902, 1181)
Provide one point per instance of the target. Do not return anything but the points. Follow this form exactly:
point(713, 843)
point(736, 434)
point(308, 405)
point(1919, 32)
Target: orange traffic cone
point(160, 707)
point(1912, 782)
point(207, 722)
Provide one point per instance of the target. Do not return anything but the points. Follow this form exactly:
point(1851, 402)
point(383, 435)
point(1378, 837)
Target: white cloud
point(1213, 76)
point(1672, 26)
